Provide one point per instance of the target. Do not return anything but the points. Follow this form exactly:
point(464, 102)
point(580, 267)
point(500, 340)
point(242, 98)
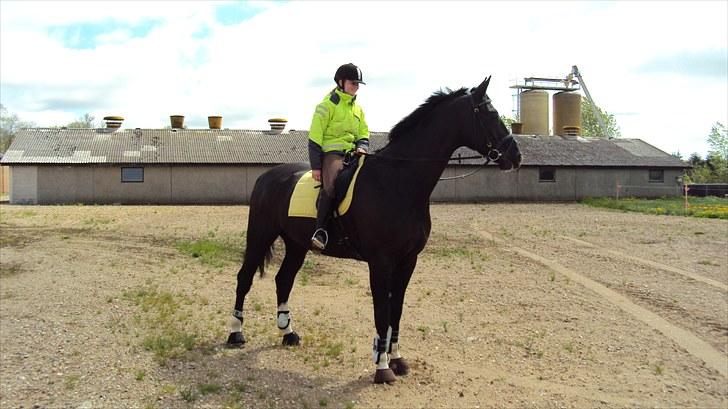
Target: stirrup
point(316, 243)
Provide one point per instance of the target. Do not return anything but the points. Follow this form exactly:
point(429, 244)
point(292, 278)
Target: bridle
point(492, 154)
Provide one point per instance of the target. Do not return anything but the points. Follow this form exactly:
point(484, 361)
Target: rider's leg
point(332, 164)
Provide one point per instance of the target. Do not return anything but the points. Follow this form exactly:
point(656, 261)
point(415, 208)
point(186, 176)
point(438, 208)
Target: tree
point(10, 124)
point(718, 141)
point(695, 159)
point(714, 168)
point(590, 125)
point(86, 121)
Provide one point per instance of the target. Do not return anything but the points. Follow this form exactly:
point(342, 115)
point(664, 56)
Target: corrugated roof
point(235, 146)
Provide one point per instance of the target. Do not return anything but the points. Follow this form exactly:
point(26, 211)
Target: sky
point(661, 67)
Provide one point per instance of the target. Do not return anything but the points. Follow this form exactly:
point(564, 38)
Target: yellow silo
point(567, 112)
point(534, 109)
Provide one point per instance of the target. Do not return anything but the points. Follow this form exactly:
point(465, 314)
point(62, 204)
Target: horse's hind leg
point(255, 255)
point(295, 254)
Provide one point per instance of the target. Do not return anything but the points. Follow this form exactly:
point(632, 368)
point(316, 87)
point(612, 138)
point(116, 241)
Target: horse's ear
point(480, 91)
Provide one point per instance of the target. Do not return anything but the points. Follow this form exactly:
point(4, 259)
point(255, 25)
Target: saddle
point(305, 194)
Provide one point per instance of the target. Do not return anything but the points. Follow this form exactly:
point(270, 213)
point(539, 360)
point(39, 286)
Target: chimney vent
point(177, 121)
point(215, 122)
point(113, 122)
point(277, 125)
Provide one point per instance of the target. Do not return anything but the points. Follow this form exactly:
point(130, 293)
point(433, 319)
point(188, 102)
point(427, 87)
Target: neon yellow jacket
point(338, 125)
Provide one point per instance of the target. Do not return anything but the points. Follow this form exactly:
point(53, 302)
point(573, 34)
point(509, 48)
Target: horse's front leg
point(400, 281)
point(292, 262)
point(380, 284)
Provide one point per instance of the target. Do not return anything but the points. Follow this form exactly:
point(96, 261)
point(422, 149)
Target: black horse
point(388, 222)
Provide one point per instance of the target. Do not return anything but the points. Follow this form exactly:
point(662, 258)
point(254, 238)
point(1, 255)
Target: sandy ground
point(511, 305)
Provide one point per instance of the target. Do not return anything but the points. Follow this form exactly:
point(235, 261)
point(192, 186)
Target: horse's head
point(488, 135)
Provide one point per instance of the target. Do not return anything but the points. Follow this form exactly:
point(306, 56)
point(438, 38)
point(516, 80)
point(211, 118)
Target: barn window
point(546, 175)
point(132, 175)
point(657, 176)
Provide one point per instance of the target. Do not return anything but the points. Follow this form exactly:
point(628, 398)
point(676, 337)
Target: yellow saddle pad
point(303, 199)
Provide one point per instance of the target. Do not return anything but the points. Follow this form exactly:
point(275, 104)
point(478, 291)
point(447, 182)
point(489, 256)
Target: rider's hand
point(316, 174)
point(360, 151)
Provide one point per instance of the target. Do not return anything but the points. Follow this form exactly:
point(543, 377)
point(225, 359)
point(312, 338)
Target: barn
point(220, 166)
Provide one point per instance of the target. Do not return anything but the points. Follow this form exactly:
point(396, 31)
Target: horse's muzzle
point(510, 154)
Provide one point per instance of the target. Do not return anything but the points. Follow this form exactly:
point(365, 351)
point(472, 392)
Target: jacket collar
point(344, 96)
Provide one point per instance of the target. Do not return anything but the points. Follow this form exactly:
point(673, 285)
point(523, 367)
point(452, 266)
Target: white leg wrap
point(236, 325)
point(381, 358)
point(394, 351)
point(284, 319)
point(383, 361)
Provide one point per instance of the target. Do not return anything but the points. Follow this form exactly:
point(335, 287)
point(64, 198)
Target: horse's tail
point(265, 261)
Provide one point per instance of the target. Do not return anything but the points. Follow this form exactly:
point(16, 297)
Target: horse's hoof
point(399, 366)
point(384, 376)
point(235, 340)
point(291, 339)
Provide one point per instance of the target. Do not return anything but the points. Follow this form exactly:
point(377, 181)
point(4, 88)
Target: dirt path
point(523, 305)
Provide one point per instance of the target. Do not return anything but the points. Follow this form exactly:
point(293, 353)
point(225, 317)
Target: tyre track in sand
point(649, 263)
point(686, 339)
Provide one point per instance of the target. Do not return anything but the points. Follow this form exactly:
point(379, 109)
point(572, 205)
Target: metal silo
point(534, 109)
point(567, 112)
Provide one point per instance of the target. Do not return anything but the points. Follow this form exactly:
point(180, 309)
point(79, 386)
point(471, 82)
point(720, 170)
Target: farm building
point(220, 166)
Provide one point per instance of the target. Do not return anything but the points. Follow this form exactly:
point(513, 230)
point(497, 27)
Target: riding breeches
point(331, 165)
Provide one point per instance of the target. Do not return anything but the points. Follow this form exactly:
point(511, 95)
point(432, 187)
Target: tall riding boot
point(320, 236)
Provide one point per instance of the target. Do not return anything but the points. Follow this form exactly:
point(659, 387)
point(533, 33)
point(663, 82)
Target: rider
point(338, 127)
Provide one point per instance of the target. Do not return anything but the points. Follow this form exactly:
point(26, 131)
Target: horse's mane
point(423, 112)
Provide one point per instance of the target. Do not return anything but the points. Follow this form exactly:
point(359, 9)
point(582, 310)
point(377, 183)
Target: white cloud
point(281, 61)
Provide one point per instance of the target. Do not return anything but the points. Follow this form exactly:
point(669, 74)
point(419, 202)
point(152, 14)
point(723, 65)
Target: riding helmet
point(349, 72)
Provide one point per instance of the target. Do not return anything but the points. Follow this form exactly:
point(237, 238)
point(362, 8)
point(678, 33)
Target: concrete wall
point(570, 184)
point(24, 184)
point(161, 185)
point(187, 184)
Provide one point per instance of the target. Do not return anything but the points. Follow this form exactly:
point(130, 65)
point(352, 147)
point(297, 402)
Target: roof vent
point(177, 121)
point(215, 122)
point(113, 122)
point(277, 125)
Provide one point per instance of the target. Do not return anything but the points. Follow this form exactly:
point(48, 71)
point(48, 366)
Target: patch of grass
point(424, 329)
point(334, 349)
point(569, 347)
point(208, 388)
point(71, 381)
point(304, 277)
point(10, 269)
point(708, 207)
point(95, 222)
point(139, 375)
point(211, 252)
point(188, 394)
point(659, 368)
point(165, 323)
point(169, 344)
